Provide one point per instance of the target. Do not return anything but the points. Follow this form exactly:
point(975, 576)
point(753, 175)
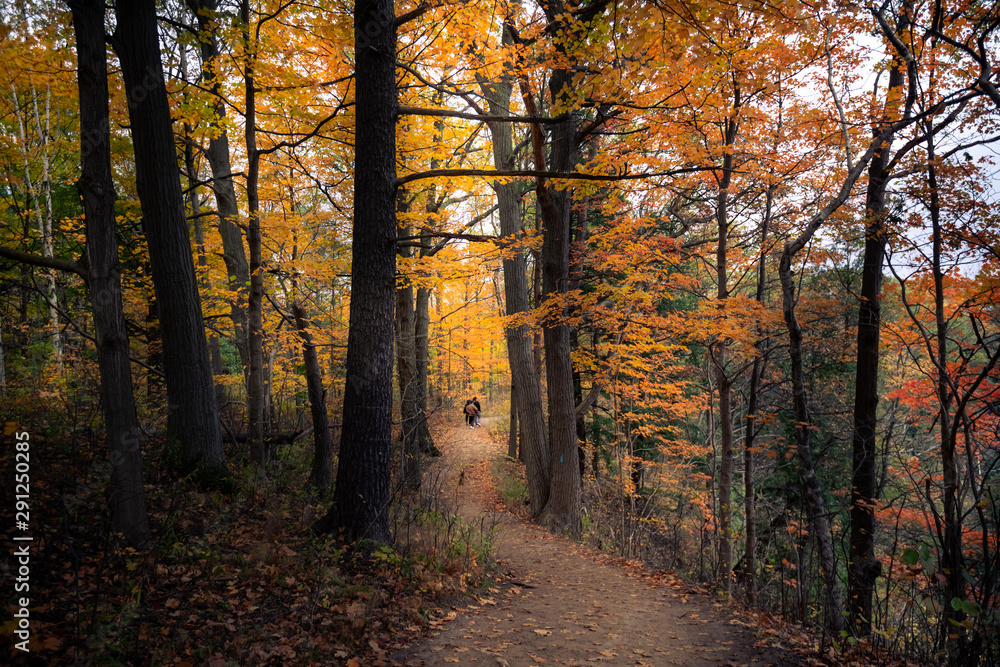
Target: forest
point(725, 276)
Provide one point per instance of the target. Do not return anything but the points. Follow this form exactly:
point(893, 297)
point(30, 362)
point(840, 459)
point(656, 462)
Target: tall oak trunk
point(193, 437)
point(361, 495)
point(526, 395)
point(96, 187)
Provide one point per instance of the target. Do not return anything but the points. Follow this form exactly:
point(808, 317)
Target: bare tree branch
point(534, 173)
point(49, 263)
point(448, 113)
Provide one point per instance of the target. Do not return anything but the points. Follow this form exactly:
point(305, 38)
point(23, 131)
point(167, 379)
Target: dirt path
point(569, 608)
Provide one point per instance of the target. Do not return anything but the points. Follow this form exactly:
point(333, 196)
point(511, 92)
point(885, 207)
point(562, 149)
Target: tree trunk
point(812, 491)
point(256, 376)
point(527, 398)
point(753, 391)
point(722, 379)
point(199, 232)
point(193, 438)
point(536, 301)
point(217, 153)
point(422, 317)
point(562, 512)
point(96, 187)
point(199, 239)
point(43, 219)
point(578, 244)
point(154, 347)
point(406, 361)
point(951, 561)
point(320, 476)
point(361, 496)
point(421, 338)
point(864, 567)
point(749, 490)
point(512, 433)
point(410, 417)
point(725, 423)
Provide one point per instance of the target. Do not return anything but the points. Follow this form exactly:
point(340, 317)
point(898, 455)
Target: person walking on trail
point(479, 411)
point(471, 413)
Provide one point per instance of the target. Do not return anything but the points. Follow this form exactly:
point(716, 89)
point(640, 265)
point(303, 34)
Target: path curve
point(567, 607)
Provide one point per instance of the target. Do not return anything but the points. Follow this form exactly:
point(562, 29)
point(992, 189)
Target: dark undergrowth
point(233, 578)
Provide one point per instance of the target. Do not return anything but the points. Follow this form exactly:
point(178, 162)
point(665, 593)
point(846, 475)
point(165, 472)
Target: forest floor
point(566, 604)
point(239, 579)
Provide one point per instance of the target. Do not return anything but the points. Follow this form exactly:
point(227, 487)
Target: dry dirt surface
point(565, 604)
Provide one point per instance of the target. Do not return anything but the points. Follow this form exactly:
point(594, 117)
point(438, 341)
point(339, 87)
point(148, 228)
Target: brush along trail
point(565, 604)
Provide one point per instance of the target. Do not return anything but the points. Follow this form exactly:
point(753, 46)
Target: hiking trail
point(568, 604)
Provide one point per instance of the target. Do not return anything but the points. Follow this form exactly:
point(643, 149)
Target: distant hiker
point(479, 411)
point(471, 413)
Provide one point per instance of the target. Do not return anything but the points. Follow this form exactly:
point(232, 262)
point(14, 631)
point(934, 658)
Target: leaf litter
point(558, 589)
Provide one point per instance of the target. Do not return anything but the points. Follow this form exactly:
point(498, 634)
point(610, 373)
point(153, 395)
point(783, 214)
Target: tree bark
point(406, 361)
point(217, 153)
point(753, 401)
point(320, 476)
point(191, 167)
point(578, 245)
point(562, 511)
point(96, 187)
point(43, 219)
point(256, 376)
point(722, 379)
point(193, 438)
point(864, 567)
point(512, 433)
point(812, 491)
point(421, 336)
point(527, 396)
point(951, 561)
point(361, 496)
point(422, 320)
